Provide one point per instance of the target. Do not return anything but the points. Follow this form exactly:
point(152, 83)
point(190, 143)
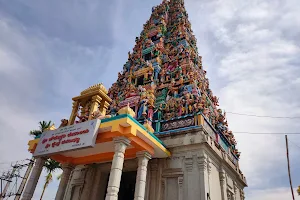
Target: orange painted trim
point(33, 148)
point(93, 158)
point(103, 157)
point(141, 145)
point(106, 137)
point(61, 159)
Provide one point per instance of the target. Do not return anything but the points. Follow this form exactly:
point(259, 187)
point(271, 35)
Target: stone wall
point(194, 171)
point(90, 181)
point(214, 182)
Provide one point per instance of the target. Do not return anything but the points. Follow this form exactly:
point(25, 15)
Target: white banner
point(68, 138)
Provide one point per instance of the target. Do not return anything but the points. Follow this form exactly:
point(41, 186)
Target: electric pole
point(288, 161)
point(24, 180)
point(8, 179)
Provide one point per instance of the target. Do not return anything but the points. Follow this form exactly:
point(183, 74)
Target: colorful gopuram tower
point(163, 80)
point(157, 134)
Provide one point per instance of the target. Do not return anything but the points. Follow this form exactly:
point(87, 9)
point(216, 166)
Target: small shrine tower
point(157, 134)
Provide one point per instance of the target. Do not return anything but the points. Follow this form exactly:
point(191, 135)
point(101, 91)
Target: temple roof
point(163, 79)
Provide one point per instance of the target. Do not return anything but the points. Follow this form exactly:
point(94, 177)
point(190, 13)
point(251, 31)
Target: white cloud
point(250, 50)
point(273, 194)
point(255, 64)
point(39, 76)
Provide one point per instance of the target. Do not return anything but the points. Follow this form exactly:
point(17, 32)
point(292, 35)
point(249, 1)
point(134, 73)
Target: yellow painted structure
point(123, 125)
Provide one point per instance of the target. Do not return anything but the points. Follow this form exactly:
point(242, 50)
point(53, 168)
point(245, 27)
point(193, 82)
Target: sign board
point(178, 123)
point(68, 138)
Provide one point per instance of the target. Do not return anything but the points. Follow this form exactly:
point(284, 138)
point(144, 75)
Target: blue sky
point(51, 50)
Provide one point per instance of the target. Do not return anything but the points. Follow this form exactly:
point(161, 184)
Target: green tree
point(50, 166)
point(42, 127)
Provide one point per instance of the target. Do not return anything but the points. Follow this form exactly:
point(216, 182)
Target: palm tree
point(42, 127)
point(50, 166)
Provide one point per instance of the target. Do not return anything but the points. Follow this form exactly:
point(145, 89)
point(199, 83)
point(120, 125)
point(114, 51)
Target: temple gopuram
point(157, 134)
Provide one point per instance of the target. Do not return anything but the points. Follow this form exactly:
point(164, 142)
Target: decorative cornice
point(98, 86)
point(106, 104)
point(235, 188)
point(203, 162)
point(208, 165)
point(242, 194)
point(143, 154)
point(180, 181)
point(122, 140)
point(189, 163)
point(222, 175)
point(96, 98)
point(229, 195)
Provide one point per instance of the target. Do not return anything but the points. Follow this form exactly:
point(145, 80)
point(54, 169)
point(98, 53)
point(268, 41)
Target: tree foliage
point(43, 125)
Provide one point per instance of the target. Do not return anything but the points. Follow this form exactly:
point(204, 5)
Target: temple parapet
point(91, 104)
point(189, 122)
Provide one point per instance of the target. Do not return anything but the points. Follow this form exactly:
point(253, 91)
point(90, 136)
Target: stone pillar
point(191, 179)
point(180, 188)
point(153, 182)
point(33, 179)
point(104, 106)
point(74, 112)
point(140, 184)
point(223, 184)
point(67, 169)
point(209, 196)
point(204, 177)
point(95, 104)
point(235, 191)
point(242, 195)
point(113, 187)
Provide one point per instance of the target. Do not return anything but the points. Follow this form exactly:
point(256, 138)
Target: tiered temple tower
point(161, 111)
point(163, 80)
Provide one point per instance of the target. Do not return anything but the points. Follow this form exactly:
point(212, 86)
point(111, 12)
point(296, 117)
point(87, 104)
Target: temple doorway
point(127, 186)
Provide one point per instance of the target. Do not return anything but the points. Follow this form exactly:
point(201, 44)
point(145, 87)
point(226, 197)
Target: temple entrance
point(127, 186)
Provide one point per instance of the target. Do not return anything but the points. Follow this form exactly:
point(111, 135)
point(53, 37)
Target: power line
point(263, 116)
point(294, 144)
point(11, 180)
point(10, 162)
point(266, 133)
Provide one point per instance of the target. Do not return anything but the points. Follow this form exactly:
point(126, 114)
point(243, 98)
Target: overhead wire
point(294, 143)
point(263, 116)
point(253, 133)
point(11, 162)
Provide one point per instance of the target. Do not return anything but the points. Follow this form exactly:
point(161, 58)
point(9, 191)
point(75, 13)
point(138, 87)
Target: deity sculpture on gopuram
point(160, 113)
point(163, 79)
